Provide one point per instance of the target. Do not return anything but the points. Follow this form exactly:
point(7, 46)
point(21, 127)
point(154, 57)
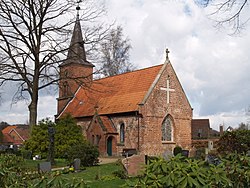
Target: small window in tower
point(65, 89)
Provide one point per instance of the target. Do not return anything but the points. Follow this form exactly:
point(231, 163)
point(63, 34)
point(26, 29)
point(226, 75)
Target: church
point(145, 110)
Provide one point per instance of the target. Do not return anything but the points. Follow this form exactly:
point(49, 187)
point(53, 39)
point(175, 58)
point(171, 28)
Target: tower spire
point(76, 52)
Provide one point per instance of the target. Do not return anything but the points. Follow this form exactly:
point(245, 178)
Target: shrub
point(177, 150)
point(238, 169)
point(10, 170)
point(67, 134)
point(86, 152)
point(234, 141)
point(122, 174)
point(180, 171)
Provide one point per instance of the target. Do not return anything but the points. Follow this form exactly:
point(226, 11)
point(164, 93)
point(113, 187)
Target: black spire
point(76, 53)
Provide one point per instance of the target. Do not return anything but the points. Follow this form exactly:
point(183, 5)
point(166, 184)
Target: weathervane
point(78, 7)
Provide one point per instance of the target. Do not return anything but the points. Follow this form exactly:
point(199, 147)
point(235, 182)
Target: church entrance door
point(109, 146)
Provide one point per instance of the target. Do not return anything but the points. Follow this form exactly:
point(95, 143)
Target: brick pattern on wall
point(148, 126)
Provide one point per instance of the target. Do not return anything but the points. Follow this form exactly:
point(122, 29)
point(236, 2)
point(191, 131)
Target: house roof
point(22, 131)
point(7, 139)
point(201, 123)
point(115, 94)
point(8, 129)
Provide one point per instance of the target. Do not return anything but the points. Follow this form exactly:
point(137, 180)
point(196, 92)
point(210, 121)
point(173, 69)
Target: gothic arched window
point(167, 129)
point(65, 89)
point(122, 133)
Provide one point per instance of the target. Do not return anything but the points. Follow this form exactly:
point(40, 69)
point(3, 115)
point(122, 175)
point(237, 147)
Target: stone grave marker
point(44, 167)
point(77, 164)
point(168, 155)
point(210, 145)
point(185, 153)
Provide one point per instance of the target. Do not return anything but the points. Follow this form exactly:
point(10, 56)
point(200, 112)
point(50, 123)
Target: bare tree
point(114, 53)
point(34, 39)
point(228, 12)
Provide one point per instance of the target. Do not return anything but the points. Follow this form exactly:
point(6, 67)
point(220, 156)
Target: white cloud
point(212, 66)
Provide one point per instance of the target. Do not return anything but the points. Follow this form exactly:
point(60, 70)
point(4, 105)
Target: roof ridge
point(129, 72)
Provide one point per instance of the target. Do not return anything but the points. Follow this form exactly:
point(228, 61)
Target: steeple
point(75, 71)
point(76, 52)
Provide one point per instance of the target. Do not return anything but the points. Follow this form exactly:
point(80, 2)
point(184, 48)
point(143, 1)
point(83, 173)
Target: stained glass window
point(122, 133)
point(167, 130)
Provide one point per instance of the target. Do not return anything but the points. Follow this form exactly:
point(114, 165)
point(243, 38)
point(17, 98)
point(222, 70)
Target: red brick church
point(145, 110)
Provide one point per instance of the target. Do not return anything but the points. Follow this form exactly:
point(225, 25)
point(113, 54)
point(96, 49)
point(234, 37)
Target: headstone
point(167, 155)
point(185, 153)
point(44, 167)
point(134, 165)
point(77, 164)
point(210, 145)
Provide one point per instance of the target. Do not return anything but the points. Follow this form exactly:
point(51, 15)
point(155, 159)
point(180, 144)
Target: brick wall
point(83, 74)
point(156, 109)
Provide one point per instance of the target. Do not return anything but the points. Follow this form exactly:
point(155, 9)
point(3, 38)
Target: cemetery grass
point(32, 164)
point(95, 176)
point(100, 176)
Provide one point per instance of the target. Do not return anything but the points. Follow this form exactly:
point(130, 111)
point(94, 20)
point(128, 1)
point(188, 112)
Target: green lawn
point(100, 176)
point(95, 176)
point(32, 165)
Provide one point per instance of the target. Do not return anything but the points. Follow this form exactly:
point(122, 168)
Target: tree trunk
point(33, 113)
point(33, 104)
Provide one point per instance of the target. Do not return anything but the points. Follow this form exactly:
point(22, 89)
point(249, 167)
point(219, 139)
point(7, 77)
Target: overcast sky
point(212, 66)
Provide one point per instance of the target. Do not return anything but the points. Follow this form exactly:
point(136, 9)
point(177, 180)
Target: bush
point(238, 169)
point(234, 141)
point(180, 171)
point(86, 152)
point(67, 134)
point(10, 170)
point(177, 150)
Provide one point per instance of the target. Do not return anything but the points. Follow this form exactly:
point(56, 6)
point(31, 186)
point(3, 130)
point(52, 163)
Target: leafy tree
point(33, 42)
point(229, 12)
point(243, 126)
point(68, 134)
point(38, 142)
point(234, 141)
point(3, 125)
point(115, 53)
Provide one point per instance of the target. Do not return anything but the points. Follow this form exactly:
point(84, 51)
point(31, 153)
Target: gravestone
point(168, 155)
point(77, 164)
point(44, 167)
point(210, 145)
point(134, 165)
point(185, 153)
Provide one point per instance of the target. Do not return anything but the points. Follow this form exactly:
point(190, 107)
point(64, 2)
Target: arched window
point(122, 133)
point(65, 89)
point(167, 129)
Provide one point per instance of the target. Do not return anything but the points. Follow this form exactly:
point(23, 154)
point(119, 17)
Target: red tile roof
point(115, 94)
point(8, 129)
point(22, 133)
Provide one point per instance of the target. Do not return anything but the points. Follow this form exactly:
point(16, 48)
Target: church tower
point(75, 71)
